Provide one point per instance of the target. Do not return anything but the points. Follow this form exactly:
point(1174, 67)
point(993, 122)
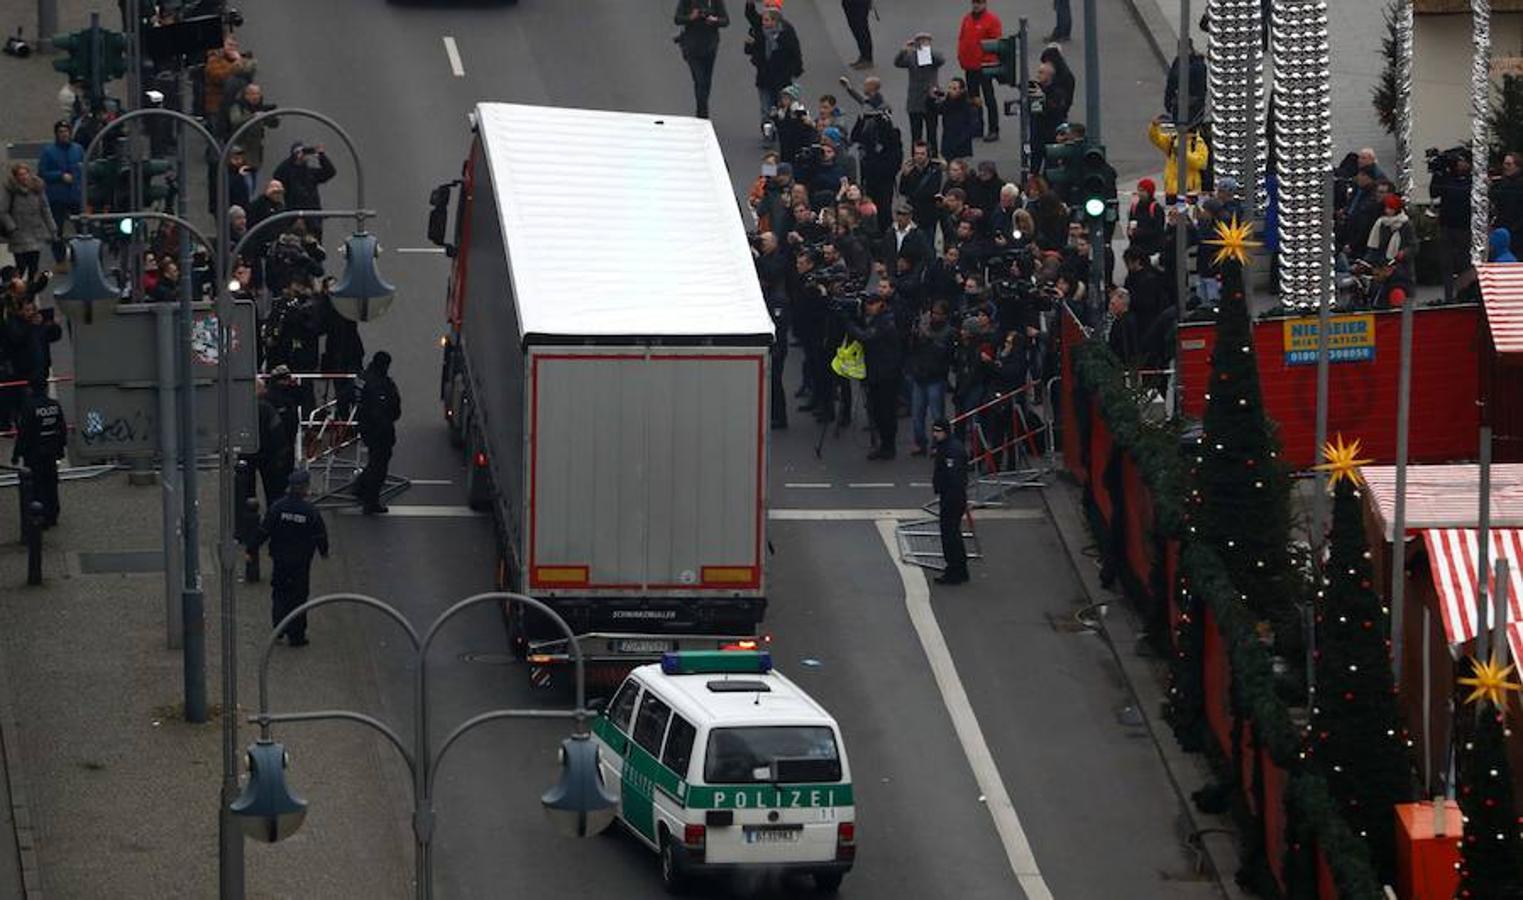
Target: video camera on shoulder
point(1445, 163)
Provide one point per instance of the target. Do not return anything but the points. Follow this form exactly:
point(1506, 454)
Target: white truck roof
point(620, 224)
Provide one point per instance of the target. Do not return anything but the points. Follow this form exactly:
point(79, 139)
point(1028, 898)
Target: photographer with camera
point(293, 256)
point(302, 172)
point(249, 104)
point(880, 147)
point(875, 327)
point(923, 63)
point(700, 21)
point(1450, 187)
point(930, 362)
point(1048, 102)
point(920, 182)
point(961, 120)
point(809, 298)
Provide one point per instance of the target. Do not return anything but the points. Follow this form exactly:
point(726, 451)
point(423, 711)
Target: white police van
point(721, 763)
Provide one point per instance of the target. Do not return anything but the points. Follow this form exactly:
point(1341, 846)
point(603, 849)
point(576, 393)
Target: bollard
point(34, 543)
point(246, 519)
point(24, 500)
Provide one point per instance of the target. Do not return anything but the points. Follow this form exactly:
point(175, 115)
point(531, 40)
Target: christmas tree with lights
point(1355, 740)
point(1240, 501)
point(1491, 851)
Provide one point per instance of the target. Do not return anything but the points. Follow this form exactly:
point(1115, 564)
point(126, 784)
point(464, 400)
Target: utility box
point(116, 383)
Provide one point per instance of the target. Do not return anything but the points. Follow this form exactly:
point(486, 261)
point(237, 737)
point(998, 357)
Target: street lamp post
point(271, 812)
point(361, 282)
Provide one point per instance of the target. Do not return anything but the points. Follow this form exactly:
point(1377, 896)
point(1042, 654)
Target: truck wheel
point(828, 882)
point(478, 479)
point(673, 878)
point(456, 406)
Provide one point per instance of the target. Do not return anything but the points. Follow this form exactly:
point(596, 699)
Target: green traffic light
point(124, 226)
point(1094, 207)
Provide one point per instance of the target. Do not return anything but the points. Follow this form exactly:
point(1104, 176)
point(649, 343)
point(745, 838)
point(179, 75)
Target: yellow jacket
point(1195, 159)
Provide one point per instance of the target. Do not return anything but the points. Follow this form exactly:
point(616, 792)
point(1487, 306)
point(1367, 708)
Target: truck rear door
point(646, 470)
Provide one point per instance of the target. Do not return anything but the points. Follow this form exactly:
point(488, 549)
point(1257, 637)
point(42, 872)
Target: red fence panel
point(1445, 382)
point(1216, 685)
point(1138, 506)
point(1068, 418)
point(1275, 781)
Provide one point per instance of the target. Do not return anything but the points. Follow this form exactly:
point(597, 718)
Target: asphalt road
point(1091, 797)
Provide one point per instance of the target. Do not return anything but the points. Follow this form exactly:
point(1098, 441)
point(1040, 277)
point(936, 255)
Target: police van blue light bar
point(716, 662)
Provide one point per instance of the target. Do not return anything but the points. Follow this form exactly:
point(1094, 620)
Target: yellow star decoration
point(1490, 682)
point(1233, 242)
point(1342, 462)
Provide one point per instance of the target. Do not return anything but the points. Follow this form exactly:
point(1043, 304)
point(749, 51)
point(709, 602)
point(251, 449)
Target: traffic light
point(106, 176)
point(1061, 169)
point(1096, 183)
point(113, 61)
point(154, 192)
point(80, 49)
point(1007, 70)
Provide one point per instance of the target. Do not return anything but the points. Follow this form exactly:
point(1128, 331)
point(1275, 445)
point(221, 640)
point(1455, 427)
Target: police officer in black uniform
point(380, 408)
point(949, 478)
point(40, 444)
point(295, 530)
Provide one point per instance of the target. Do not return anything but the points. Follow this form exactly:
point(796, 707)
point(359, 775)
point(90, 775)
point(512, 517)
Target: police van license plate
point(638, 646)
point(773, 834)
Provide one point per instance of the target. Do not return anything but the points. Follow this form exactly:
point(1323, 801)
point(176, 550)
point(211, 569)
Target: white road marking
point(870, 484)
point(455, 66)
point(791, 514)
point(917, 601)
point(422, 512)
point(419, 250)
point(920, 484)
point(430, 481)
point(808, 485)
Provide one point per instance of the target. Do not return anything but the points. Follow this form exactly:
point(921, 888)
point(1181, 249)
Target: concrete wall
point(1441, 79)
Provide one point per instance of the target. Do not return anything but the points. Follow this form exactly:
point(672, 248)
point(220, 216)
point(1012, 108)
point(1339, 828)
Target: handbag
point(850, 361)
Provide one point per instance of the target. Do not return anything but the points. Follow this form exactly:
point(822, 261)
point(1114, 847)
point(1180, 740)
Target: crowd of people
point(283, 268)
point(945, 271)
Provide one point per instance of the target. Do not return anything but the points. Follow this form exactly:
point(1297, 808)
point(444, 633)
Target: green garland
point(1311, 814)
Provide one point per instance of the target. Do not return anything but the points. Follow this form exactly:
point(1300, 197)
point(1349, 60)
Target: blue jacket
point(56, 161)
point(1501, 252)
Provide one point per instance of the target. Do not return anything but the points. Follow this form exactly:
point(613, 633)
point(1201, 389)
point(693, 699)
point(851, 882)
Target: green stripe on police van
point(643, 774)
point(766, 796)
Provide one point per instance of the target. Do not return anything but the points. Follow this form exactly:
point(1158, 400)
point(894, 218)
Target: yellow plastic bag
point(850, 361)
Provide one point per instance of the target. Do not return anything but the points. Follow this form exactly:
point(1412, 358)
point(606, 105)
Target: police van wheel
point(827, 882)
point(673, 878)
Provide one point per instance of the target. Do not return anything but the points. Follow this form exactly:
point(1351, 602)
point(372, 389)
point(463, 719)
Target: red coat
point(970, 52)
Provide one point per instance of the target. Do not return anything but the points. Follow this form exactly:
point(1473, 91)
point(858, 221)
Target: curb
point(1216, 840)
point(1160, 35)
point(15, 780)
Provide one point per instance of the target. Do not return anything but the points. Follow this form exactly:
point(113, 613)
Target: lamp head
point(580, 805)
point(267, 809)
point(88, 289)
point(361, 293)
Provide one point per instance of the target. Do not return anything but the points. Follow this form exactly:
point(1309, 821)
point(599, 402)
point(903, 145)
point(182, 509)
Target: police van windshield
point(745, 755)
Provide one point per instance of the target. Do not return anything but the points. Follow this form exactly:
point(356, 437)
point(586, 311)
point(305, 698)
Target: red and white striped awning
point(1446, 496)
point(1502, 291)
point(1453, 555)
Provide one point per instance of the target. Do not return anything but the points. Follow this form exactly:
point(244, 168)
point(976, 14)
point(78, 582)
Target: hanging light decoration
point(1404, 29)
point(1480, 128)
point(1236, 84)
point(1302, 93)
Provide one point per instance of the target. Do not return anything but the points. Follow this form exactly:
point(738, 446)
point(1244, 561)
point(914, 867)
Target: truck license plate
point(769, 834)
point(636, 646)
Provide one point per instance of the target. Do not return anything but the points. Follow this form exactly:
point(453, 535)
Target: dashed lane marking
point(420, 511)
point(428, 481)
point(871, 484)
point(439, 250)
point(917, 601)
point(787, 514)
point(456, 67)
point(807, 485)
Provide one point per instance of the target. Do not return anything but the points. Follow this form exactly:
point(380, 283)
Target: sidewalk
point(123, 793)
point(1215, 837)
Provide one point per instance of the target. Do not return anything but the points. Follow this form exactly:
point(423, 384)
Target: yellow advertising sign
point(1350, 338)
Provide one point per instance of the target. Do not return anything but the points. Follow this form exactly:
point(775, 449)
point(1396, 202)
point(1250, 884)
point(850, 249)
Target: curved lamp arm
point(266, 719)
point(114, 124)
point(325, 600)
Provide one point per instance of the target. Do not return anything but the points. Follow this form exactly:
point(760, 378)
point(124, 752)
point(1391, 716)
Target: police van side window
point(678, 751)
point(650, 724)
point(623, 705)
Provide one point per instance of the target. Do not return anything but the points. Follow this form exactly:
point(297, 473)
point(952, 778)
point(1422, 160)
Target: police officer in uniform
point(949, 478)
point(40, 444)
point(380, 408)
point(295, 530)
